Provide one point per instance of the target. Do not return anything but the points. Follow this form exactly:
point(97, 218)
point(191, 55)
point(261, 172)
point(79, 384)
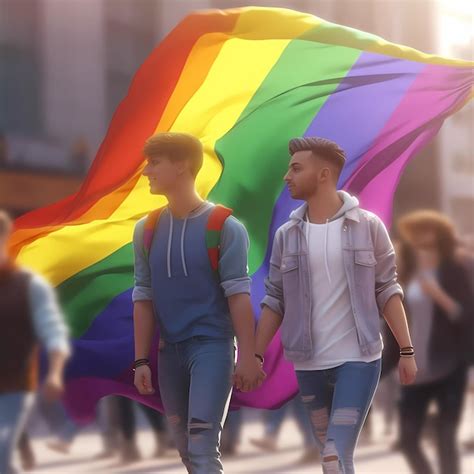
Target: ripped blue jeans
point(195, 378)
point(338, 400)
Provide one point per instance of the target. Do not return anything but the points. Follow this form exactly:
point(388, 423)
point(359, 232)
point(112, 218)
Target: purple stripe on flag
point(110, 333)
point(83, 393)
point(353, 117)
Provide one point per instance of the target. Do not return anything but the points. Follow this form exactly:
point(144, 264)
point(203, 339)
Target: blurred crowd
point(433, 261)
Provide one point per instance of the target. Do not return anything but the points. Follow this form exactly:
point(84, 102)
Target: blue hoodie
point(187, 297)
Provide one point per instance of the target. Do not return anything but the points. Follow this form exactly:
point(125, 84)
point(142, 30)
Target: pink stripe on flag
point(437, 92)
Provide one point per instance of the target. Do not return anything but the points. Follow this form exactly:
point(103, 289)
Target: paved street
point(371, 458)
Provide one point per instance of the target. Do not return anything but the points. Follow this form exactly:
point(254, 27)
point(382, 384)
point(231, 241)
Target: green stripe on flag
point(255, 150)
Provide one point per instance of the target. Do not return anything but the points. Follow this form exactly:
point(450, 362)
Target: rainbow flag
point(244, 81)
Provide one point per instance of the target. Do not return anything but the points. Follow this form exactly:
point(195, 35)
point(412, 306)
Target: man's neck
point(323, 205)
point(182, 204)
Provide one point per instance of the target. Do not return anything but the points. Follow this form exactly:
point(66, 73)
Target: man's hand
point(248, 374)
point(143, 380)
point(53, 388)
point(407, 370)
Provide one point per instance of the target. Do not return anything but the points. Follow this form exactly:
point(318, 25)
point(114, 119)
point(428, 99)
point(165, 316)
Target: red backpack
point(215, 223)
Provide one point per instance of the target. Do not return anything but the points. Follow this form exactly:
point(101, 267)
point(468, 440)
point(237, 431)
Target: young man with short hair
point(191, 279)
point(332, 274)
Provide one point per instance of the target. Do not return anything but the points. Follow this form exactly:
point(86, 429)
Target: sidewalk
point(375, 458)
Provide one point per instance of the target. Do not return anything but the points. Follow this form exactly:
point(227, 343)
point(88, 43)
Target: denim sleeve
point(233, 266)
point(273, 283)
point(142, 276)
point(48, 321)
point(386, 283)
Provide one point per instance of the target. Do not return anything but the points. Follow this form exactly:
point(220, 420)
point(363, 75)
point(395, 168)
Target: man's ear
point(325, 174)
point(182, 166)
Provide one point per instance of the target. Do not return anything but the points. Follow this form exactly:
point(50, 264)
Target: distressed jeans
point(338, 400)
point(195, 379)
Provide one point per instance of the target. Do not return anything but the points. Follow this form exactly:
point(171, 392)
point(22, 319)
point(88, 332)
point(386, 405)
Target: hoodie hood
point(300, 216)
point(349, 203)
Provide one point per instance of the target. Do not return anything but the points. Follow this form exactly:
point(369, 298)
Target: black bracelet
point(140, 362)
point(260, 357)
point(140, 365)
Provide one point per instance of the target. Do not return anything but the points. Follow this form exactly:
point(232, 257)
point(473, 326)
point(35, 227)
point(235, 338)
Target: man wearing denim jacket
point(332, 274)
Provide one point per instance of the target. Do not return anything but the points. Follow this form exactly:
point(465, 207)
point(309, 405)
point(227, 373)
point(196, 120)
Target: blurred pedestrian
point(273, 422)
point(29, 317)
point(231, 432)
point(439, 304)
point(127, 426)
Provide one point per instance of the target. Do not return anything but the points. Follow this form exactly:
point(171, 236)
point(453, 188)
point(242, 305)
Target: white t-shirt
point(333, 326)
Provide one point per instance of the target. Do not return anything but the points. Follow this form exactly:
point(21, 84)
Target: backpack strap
point(215, 223)
point(149, 230)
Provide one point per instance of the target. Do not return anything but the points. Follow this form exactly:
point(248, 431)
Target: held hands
point(248, 374)
point(407, 370)
point(143, 380)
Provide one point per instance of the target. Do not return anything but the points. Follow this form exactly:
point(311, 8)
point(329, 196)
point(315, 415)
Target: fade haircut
point(323, 148)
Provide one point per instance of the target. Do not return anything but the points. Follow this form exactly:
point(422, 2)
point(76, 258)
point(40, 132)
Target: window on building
point(130, 38)
point(20, 78)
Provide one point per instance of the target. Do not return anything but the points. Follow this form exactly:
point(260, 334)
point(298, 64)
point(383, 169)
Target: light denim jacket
point(369, 262)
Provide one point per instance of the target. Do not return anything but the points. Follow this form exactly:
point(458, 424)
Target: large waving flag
point(244, 81)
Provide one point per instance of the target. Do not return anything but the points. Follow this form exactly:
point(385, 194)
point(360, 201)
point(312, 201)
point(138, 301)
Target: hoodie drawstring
point(170, 238)
point(183, 260)
point(326, 250)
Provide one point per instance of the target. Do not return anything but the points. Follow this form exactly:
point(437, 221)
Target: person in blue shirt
point(191, 279)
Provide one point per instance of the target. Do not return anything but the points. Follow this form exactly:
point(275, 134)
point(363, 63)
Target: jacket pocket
point(365, 258)
point(289, 263)
point(364, 270)
point(364, 280)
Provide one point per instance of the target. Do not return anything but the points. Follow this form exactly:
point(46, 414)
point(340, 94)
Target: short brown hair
point(322, 147)
point(430, 220)
point(6, 223)
point(176, 146)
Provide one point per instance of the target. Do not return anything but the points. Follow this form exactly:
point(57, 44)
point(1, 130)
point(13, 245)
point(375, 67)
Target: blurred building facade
point(65, 68)
point(456, 139)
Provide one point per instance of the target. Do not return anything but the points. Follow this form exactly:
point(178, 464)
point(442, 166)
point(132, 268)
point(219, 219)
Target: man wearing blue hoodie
point(191, 279)
point(332, 274)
